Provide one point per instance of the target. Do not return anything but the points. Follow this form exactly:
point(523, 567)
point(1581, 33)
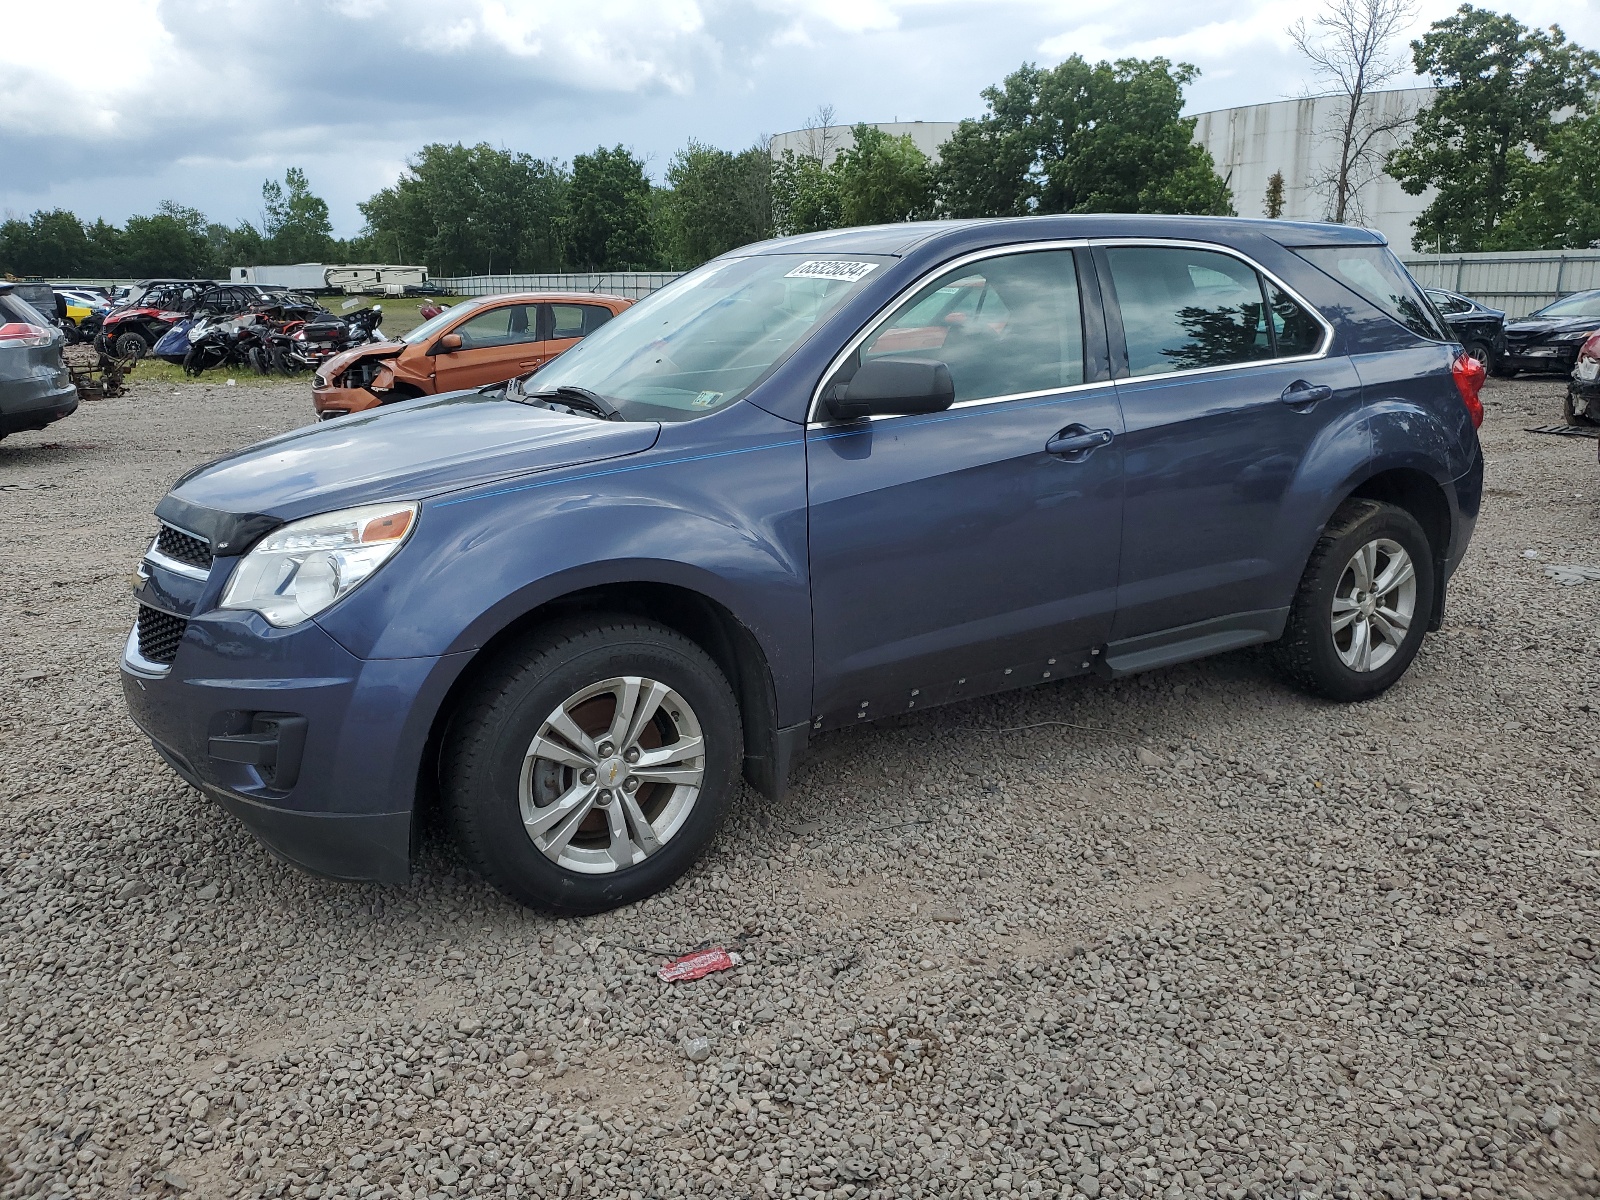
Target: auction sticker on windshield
point(831, 268)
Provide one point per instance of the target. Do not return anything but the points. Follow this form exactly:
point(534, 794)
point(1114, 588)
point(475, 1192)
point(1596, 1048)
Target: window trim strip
point(889, 307)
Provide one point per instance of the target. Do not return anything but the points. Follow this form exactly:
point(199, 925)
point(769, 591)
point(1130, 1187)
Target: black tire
point(1307, 653)
point(194, 362)
point(1574, 414)
point(1481, 352)
point(481, 771)
point(131, 344)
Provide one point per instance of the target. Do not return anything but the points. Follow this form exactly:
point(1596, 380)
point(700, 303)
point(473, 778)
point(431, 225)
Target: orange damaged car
point(485, 340)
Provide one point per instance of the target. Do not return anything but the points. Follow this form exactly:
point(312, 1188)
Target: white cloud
point(109, 107)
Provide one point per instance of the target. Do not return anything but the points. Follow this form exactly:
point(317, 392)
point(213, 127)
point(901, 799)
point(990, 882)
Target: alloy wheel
point(1374, 605)
point(612, 774)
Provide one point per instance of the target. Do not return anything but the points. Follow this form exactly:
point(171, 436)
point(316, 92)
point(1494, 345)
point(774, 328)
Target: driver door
point(975, 549)
point(496, 344)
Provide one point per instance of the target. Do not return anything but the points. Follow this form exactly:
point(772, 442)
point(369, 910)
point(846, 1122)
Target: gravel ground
point(1191, 934)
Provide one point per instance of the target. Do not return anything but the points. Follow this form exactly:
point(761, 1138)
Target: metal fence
point(632, 284)
point(1518, 282)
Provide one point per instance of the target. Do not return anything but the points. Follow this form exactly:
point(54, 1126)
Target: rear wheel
point(594, 765)
point(1480, 353)
point(131, 344)
point(1363, 605)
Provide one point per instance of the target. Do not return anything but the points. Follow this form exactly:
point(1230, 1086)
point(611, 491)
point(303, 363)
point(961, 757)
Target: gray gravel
point(1187, 935)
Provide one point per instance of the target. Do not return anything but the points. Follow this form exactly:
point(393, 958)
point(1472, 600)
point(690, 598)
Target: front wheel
point(1363, 605)
point(131, 345)
point(594, 764)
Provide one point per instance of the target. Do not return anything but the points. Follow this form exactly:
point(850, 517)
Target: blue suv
point(814, 482)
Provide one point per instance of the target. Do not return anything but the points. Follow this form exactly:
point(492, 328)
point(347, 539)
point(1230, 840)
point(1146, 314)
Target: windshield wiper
point(574, 399)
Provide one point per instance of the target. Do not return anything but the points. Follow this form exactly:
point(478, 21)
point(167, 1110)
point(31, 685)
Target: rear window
point(1376, 274)
point(15, 308)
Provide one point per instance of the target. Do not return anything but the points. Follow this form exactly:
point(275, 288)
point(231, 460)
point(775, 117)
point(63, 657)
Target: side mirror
point(893, 386)
point(448, 343)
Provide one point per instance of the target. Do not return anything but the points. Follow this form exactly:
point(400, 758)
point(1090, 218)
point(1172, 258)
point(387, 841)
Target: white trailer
point(298, 277)
point(361, 278)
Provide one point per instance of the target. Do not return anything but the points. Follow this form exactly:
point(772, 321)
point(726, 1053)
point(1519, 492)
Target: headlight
point(304, 567)
point(1576, 336)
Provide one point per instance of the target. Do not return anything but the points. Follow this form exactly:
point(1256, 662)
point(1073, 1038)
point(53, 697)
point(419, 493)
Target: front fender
point(717, 507)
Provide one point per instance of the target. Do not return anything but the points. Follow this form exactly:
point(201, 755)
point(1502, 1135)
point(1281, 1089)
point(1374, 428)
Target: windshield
point(433, 324)
point(703, 341)
point(1584, 304)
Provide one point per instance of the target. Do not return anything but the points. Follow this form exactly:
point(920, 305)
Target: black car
point(1548, 340)
point(1482, 329)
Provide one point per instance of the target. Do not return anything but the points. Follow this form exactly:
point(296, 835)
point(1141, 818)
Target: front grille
point(159, 634)
point(176, 544)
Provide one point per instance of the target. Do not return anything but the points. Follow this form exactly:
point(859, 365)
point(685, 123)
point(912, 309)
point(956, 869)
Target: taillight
point(1590, 348)
point(21, 333)
point(1469, 375)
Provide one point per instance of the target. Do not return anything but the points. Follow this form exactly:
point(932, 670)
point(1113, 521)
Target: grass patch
point(153, 370)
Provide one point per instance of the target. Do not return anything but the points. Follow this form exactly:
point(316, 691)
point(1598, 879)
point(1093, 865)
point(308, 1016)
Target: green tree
point(1500, 84)
point(469, 210)
point(1081, 137)
point(294, 225)
point(609, 225)
point(1274, 205)
point(1558, 206)
point(171, 241)
point(883, 179)
point(716, 201)
point(805, 195)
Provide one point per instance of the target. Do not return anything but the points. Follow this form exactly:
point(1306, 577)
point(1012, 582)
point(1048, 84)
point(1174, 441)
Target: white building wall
point(826, 142)
point(1297, 137)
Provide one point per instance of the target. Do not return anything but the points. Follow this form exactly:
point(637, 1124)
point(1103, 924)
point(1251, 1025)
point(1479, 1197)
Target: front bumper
point(316, 751)
point(1557, 357)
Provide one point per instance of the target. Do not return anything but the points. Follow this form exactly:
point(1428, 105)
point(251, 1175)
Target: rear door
point(497, 344)
point(1226, 386)
point(564, 325)
point(971, 550)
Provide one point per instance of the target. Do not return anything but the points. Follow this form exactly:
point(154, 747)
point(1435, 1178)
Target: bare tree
point(821, 140)
point(1352, 48)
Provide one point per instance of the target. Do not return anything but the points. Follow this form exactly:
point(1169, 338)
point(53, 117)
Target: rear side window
point(1183, 309)
point(1375, 274)
point(1004, 326)
point(577, 320)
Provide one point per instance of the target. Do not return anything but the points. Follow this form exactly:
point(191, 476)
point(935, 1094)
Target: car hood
point(344, 358)
point(1535, 326)
point(409, 451)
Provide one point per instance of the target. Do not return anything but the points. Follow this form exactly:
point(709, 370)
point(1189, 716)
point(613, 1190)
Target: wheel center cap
point(611, 771)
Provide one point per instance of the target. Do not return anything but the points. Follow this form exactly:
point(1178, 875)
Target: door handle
point(1301, 394)
point(1075, 442)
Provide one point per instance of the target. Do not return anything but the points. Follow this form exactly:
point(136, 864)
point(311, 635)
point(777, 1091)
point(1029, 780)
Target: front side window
point(504, 326)
point(1375, 274)
point(1183, 309)
point(707, 338)
point(1449, 304)
point(1005, 326)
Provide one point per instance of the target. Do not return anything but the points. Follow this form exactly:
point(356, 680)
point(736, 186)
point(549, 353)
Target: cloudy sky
point(109, 108)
